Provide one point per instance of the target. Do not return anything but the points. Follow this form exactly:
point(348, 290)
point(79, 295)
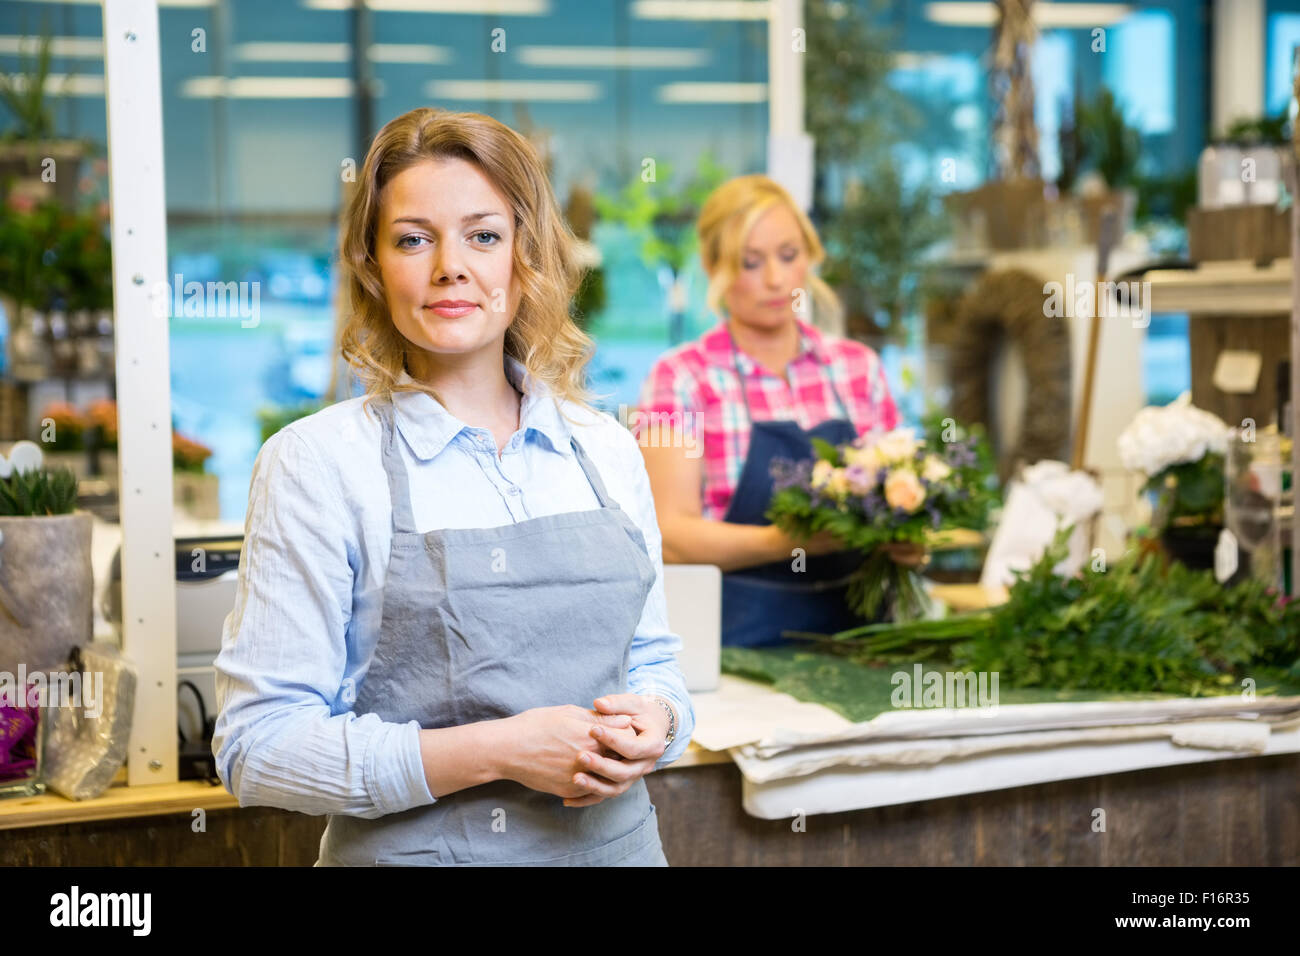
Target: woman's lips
point(452, 311)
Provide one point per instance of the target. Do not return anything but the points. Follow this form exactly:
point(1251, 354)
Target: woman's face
point(445, 235)
point(773, 267)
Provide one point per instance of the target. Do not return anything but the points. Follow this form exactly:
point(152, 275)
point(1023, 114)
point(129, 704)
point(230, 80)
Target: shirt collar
point(428, 428)
point(717, 344)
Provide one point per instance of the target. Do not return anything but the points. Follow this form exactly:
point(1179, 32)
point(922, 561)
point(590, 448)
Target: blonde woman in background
point(761, 384)
point(450, 632)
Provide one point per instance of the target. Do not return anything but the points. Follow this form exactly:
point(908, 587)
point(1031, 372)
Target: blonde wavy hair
point(542, 335)
point(725, 222)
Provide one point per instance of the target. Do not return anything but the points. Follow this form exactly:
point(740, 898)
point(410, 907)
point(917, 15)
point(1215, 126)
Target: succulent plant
point(38, 492)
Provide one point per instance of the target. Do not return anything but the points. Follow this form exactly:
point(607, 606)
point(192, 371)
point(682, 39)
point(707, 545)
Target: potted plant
point(46, 594)
point(196, 491)
point(1100, 157)
point(56, 283)
point(61, 432)
point(29, 139)
point(1181, 449)
point(101, 436)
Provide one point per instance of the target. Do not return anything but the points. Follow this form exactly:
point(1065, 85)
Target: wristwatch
point(672, 719)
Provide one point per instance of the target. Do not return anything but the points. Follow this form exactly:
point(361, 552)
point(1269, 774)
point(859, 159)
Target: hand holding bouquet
point(881, 494)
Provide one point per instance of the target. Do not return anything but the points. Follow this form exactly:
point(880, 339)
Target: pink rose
point(903, 490)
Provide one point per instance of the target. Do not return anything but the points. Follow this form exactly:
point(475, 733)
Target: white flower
point(899, 445)
point(936, 469)
point(867, 458)
point(1179, 432)
point(837, 486)
point(1073, 495)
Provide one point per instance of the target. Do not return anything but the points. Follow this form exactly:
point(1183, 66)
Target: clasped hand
point(586, 756)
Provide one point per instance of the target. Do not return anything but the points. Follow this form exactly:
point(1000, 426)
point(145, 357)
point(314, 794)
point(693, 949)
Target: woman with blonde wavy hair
point(450, 632)
point(760, 384)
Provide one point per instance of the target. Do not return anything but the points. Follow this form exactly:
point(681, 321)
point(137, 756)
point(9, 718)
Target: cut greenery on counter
point(1137, 625)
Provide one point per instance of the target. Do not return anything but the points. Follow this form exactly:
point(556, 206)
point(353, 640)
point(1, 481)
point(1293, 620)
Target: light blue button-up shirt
point(311, 576)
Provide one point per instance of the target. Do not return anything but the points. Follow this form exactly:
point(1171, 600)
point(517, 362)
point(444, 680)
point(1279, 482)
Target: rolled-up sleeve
point(652, 663)
point(285, 734)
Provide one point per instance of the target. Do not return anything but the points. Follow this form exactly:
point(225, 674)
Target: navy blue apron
point(760, 602)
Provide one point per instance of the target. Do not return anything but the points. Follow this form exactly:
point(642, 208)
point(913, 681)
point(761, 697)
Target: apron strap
point(399, 489)
point(830, 382)
point(593, 475)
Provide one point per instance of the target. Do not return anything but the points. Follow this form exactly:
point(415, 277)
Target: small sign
point(1237, 372)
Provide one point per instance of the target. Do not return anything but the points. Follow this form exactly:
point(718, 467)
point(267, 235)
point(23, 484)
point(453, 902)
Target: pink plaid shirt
point(700, 377)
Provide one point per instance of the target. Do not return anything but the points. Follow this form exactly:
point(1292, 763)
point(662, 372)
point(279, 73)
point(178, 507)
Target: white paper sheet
point(742, 711)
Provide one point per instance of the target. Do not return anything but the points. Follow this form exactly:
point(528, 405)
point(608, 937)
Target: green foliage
point(1135, 626)
point(38, 492)
point(1260, 129)
point(34, 120)
point(590, 297)
point(661, 215)
point(52, 257)
point(874, 238)
point(981, 478)
point(1106, 142)
point(826, 451)
point(1166, 197)
point(849, 105)
point(1192, 489)
point(272, 418)
point(875, 242)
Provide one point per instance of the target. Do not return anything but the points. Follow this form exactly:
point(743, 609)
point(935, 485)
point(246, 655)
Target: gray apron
point(483, 623)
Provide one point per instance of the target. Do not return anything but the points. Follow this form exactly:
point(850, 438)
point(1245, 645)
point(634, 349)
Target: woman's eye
point(404, 238)
point(790, 256)
point(492, 235)
point(751, 264)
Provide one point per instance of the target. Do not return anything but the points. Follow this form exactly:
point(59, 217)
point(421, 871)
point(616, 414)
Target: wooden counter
point(120, 801)
point(49, 809)
point(1227, 812)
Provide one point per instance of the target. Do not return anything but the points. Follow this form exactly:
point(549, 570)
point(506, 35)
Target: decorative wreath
point(1008, 305)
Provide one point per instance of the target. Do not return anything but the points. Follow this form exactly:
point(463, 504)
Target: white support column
point(1237, 80)
point(789, 148)
point(133, 88)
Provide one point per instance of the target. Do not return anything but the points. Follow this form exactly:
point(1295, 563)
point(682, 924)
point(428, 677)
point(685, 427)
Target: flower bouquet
point(882, 489)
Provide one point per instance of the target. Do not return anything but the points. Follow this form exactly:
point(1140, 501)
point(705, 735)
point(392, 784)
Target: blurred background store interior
point(266, 101)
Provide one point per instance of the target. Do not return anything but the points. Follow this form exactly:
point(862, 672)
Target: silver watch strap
point(672, 719)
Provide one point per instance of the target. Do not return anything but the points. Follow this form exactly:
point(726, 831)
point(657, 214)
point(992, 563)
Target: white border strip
point(133, 78)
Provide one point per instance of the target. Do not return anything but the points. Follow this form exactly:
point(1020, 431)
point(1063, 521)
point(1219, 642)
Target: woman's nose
point(773, 274)
point(447, 263)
